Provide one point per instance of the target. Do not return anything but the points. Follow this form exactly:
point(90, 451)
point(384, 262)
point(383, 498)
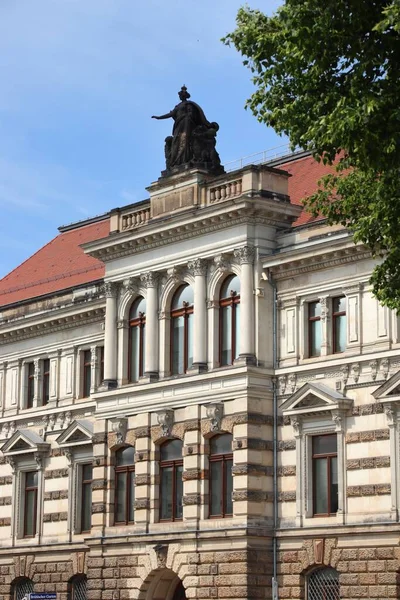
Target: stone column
point(94, 367)
point(151, 367)
point(391, 415)
point(199, 269)
point(339, 418)
point(245, 255)
point(110, 336)
point(298, 435)
point(326, 342)
point(37, 396)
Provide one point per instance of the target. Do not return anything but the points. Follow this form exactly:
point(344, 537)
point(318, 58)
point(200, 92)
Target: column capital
point(198, 267)
point(150, 279)
point(245, 254)
point(110, 289)
point(222, 262)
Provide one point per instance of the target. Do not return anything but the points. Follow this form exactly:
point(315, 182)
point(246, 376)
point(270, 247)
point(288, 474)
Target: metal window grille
point(78, 588)
point(22, 588)
point(323, 584)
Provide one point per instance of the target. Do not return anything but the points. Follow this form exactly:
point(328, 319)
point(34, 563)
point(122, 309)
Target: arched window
point(21, 587)
point(171, 484)
point(323, 584)
point(229, 313)
point(137, 331)
point(77, 587)
point(182, 330)
point(221, 481)
point(125, 485)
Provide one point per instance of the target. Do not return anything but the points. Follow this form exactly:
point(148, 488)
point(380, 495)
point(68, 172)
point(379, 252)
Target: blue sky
point(79, 81)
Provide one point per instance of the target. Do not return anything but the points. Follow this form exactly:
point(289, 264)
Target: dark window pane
point(231, 284)
point(221, 444)
point(125, 456)
point(23, 587)
point(237, 330)
point(228, 487)
point(189, 358)
point(339, 304)
point(87, 373)
point(142, 350)
point(131, 496)
point(166, 492)
point(30, 513)
point(216, 488)
point(334, 485)
point(226, 335)
point(340, 333)
point(120, 492)
point(138, 307)
point(30, 385)
point(183, 294)
point(178, 491)
point(178, 344)
point(314, 309)
point(31, 479)
point(315, 338)
point(324, 444)
point(46, 381)
point(86, 508)
point(172, 450)
point(321, 485)
point(135, 353)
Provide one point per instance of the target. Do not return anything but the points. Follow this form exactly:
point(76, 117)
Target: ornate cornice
point(316, 261)
point(146, 240)
point(23, 331)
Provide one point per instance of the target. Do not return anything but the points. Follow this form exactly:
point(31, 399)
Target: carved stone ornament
point(122, 324)
point(11, 461)
point(198, 267)
point(344, 369)
point(318, 551)
point(120, 426)
point(39, 459)
point(324, 302)
point(390, 415)
point(245, 255)
point(222, 263)
point(215, 413)
point(131, 285)
point(373, 365)
point(161, 551)
point(296, 424)
point(176, 273)
point(68, 455)
point(282, 379)
point(292, 382)
point(193, 140)
point(150, 279)
point(110, 289)
point(355, 372)
point(337, 418)
point(165, 419)
point(384, 367)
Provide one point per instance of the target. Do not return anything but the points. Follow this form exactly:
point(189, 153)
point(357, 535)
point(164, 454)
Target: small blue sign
point(43, 596)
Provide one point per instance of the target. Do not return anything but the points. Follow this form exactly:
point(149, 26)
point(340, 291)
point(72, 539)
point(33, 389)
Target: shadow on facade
point(163, 584)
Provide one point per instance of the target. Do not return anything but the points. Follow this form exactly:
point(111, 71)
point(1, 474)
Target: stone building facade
point(170, 374)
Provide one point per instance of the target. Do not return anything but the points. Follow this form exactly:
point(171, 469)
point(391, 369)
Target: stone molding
point(370, 462)
point(379, 489)
point(367, 436)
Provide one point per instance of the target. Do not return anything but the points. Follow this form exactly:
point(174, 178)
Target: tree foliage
point(327, 74)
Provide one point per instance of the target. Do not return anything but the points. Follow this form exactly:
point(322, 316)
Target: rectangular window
point(86, 498)
point(325, 474)
point(30, 373)
point(46, 382)
point(314, 329)
point(101, 374)
point(87, 373)
point(30, 503)
point(339, 324)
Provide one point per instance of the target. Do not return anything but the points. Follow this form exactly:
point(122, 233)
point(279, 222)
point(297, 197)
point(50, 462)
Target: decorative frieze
point(381, 489)
point(165, 419)
point(369, 462)
point(367, 436)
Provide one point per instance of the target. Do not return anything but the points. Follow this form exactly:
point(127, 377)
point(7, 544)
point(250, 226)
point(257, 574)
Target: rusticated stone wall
point(364, 572)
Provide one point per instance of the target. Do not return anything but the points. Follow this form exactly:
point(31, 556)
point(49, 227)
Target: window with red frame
point(229, 320)
point(30, 385)
point(137, 339)
point(30, 503)
point(221, 480)
point(86, 497)
point(171, 484)
point(339, 322)
point(325, 474)
point(314, 329)
point(46, 382)
point(182, 330)
point(125, 485)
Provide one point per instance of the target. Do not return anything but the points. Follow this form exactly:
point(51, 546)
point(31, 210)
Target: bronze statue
point(193, 139)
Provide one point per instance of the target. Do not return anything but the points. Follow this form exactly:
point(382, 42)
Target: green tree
point(327, 75)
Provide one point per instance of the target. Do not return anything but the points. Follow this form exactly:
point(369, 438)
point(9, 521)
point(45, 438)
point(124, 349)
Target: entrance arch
point(163, 584)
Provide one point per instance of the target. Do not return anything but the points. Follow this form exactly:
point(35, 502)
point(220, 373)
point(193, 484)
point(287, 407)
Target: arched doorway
point(163, 584)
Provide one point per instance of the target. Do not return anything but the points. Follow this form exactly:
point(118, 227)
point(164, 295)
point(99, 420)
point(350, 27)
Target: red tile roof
point(59, 265)
point(305, 173)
